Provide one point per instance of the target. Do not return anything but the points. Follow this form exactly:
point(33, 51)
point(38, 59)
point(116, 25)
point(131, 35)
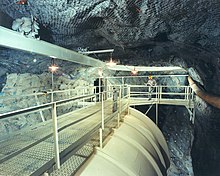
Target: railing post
point(100, 137)
point(129, 96)
point(55, 136)
point(120, 106)
point(187, 93)
point(100, 89)
point(123, 85)
point(103, 122)
point(103, 118)
point(120, 101)
point(52, 87)
point(118, 120)
point(94, 90)
point(161, 91)
point(157, 93)
point(156, 113)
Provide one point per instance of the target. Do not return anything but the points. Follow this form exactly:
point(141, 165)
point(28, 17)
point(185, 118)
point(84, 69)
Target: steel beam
point(15, 40)
point(144, 68)
point(97, 52)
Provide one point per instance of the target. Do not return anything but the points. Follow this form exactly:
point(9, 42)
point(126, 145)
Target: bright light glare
point(53, 68)
point(111, 63)
point(134, 72)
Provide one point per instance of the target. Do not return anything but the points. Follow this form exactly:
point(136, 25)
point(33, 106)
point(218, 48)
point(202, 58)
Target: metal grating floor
point(34, 157)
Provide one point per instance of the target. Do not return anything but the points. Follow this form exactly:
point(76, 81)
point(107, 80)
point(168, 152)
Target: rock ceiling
point(178, 32)
point(147, 30)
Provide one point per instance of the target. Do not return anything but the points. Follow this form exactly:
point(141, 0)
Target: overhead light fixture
point(134, 72)
point(53, 68)
point(111, 62)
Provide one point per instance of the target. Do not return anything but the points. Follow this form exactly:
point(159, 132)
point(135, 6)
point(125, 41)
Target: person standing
point(115, 99)
point(151, 83)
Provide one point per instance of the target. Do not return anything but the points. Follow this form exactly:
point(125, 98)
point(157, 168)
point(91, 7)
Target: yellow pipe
point(211, 99)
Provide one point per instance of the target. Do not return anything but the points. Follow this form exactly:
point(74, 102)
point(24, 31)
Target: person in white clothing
point(151, 83)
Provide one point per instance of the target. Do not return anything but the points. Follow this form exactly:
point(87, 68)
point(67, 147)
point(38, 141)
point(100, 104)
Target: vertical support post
point(103, 118)
point(100, 89)
point(159, 87)
point(118, 120)
point(100, 137)
point(187, 93)
point(123, 85)
point(120, 105)
point(129, 96)
point(52, 87)
point(157, 94)
point(95, 96)
point(55, 136)
point(120, 101)
point(156, 113)
point(105, 88)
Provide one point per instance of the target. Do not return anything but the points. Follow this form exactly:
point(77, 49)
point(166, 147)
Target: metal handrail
point(40, 107)
point(125, 93)
point(185, 94)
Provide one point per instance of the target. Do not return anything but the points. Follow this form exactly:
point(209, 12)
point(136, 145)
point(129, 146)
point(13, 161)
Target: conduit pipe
point(211, 99)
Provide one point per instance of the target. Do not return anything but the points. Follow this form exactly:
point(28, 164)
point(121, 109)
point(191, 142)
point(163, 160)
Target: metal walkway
point(70, 140)
point(176, 102)
point(31, 150)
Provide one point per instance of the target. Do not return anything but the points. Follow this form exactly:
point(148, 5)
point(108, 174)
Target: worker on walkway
point(151, 83)
point(115, 99)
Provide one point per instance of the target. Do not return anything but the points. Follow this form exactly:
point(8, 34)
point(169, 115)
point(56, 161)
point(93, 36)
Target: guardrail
point(161, 92)
point(119, 94)
point(56, 103)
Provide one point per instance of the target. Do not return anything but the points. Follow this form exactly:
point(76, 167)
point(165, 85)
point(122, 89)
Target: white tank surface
point(137, 148)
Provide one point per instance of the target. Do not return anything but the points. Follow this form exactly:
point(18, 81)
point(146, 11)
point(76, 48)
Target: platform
point(30, 151)
point(176, 102)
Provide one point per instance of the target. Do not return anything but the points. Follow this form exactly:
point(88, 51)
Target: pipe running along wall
point(211, 99)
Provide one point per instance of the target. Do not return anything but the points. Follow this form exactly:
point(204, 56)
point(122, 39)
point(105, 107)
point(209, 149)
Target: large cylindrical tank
point(136, 148)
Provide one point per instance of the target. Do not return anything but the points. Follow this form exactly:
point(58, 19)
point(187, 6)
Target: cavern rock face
point(184, 33)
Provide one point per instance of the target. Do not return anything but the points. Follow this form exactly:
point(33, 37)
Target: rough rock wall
point(124, 23)
point(18, 93)
point(142, 32)
point(179, 133)
point(28, 90)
